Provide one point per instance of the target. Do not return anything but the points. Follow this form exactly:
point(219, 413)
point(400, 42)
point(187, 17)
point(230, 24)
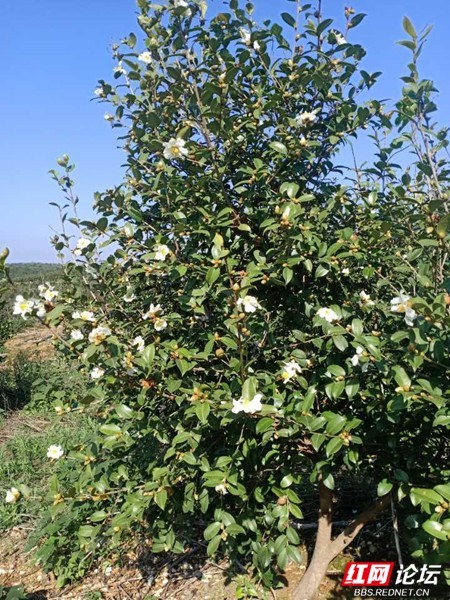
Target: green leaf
point(86, 531)
point(323, 25)
point(335, 389)
point(279, 147)
point(264, 424)
point(317, 439)
point(384, 487)
point(333, 446)
point(213, 545)
point(356, 20)
point(110, 429)
point(443, 490)
point(287, 274)
point(234, 529)
point(336, 370)
point(212, 530)
point(340, 342)
point(434, 528)
point(161, 498)
point(409, 27)
point(99, 515)
point(212, 275)
point(282, 559)
point(357, 327)
point(124, 412)
point(321, 271)
point(401, 377)
point(443, 226)
point(289, 19)
point(336, 424)
point(148, 355)
point(328, 481)
point(249, 388)
point(290, 188)
point(102, 224)
point(202, 410)
point(425, 495)
point(287, 481)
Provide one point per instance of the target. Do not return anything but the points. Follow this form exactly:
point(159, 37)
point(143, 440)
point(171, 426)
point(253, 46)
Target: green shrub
point(264, 318)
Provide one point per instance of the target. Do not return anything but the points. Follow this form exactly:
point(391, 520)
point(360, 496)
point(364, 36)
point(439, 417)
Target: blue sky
point(54, 52)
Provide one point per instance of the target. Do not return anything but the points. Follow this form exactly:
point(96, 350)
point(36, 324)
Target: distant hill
point(34, 271)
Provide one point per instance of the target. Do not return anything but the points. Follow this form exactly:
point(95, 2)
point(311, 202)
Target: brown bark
point(326, 549)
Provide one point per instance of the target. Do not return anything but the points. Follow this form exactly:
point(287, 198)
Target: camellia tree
point(257, 322)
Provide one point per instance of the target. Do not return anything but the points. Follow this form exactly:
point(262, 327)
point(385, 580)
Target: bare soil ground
point(34, 343)
point(166, 580)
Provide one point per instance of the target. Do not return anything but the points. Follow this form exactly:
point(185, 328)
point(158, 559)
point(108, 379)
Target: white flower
point(97, 373)
point(47, 292)
point(246, 405)
point(40, 309)
point(145, 57)
point(221, 488)
point(99, 334)
point(99, 92)
point(84, 315)
point(355, 358)
point(303, 141)
point(77, 335)
point(108, 117)
point(365, 299)
point(82, 243)
point(345, 271)
point(139, 343)
point(152, 311)
point(402, 304)
point(246, 36)
point(12, 495)
point(87, 315)
point(306, 118)
point(175, 148)
point(160, 323)
point(340, 39)
point(162, 252)
point(120, 69)
point(23, 307)
point(55, 452)
point(328, 314)
point(180, 4)
point(249, 303)
point(290, 370)
point(256, 46)
point(129, 296)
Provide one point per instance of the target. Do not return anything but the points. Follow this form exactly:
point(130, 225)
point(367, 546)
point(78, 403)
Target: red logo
point(367, 573)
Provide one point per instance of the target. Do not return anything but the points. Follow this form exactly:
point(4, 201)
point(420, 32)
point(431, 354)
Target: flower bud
point(63, 160)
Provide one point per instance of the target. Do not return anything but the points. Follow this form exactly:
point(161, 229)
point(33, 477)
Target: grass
point(29, 425)
point(23, 461)
point(16, 383)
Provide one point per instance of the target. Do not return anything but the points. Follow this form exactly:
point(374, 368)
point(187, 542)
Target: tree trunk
point(326, 549)
point(309, 585)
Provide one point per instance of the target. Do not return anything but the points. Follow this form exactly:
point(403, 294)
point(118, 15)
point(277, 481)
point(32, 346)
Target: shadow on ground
point(18, 593)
